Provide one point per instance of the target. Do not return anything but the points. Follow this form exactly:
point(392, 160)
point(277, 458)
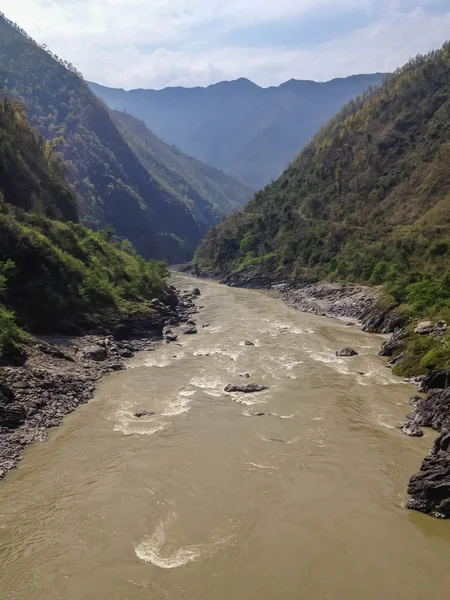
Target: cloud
point(143, 43)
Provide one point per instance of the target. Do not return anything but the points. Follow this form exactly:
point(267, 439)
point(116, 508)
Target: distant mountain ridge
point(113, 187)
point(249, 132)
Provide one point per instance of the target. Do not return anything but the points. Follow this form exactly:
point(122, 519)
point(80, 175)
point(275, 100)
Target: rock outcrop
point(429, 489)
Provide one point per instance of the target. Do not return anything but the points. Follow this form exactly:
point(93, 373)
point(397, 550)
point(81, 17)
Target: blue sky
point(156, 43)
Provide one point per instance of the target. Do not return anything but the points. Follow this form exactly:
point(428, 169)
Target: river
point(203, 500)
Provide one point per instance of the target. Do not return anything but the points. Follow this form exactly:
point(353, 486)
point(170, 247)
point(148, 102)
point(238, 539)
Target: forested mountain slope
point(249, 132)
point(368, 199)
point(113, 186)
point(55, 274)
point(208, 192)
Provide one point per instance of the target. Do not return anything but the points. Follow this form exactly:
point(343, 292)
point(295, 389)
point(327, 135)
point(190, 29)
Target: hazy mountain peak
point(249, 132)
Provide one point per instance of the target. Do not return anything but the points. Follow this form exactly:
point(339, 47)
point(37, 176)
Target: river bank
point(429, 489)
point(61, 372)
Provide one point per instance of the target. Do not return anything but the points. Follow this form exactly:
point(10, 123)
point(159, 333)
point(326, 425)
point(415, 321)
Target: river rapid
point(206, 501)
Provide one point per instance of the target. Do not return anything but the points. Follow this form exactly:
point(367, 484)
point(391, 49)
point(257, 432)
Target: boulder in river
point(246, 389)
point(171, 337)
point(249, 343)
point(412, 428)
point(143, 413)
point(190, 330)
point(196, 292)
point(346, 352)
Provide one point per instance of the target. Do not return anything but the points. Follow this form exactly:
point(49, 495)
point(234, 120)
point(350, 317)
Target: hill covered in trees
point(113, 187)
point(209, 193)
point(367, 200)
point(55, 274)
point(249, 132)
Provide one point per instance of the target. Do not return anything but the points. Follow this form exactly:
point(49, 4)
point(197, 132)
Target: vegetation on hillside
point(113, 187)
point(209, 193)
point(368, 200)
point(55, 274)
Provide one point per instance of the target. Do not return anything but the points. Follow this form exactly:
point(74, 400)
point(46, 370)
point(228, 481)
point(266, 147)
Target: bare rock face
point(346, 352)
point(435, 380)
point(429, 489)
point(246, 389)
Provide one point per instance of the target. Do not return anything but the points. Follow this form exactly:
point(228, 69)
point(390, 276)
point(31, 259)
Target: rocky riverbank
point(59, 373)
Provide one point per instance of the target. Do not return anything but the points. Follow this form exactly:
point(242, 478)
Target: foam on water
point(210, 385)
point(258, 466)
point(178, 407)
point(151, 549)
point(128, 429)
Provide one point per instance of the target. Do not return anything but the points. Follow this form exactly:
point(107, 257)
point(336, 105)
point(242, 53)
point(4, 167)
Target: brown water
point(204, 501)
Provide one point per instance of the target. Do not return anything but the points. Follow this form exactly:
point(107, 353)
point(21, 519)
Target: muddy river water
point(204, 500)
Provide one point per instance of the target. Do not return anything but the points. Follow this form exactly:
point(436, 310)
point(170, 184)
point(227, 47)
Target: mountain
point(113, 186)
point(55, 274)
point(209, 193)
point(249, 132)
point(367, 200)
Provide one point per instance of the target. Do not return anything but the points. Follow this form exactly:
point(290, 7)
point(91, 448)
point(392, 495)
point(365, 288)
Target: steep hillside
point(55, 274)
point(113, 186)
point(367, 200)
point(249, 132)
point(209, 193)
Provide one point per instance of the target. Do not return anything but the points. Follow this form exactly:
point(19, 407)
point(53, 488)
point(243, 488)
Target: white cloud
point(109, 40)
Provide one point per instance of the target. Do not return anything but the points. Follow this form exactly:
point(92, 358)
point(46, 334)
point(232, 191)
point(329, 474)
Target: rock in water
point(143, 413)
point(189, 330)
point(246, 389)
point(346, 352)
point(249, 343)
point(171, 337)
point(196, 292)
point(412, 429)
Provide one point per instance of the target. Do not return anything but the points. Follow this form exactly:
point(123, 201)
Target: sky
point(159, 43)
